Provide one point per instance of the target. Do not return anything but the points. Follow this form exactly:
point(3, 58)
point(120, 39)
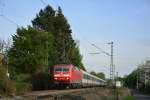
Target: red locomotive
point(71, 76)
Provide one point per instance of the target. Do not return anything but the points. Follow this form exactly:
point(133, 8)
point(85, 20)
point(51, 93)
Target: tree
point(131, 79)
point(65, 49)
point(93, 73)
point(3, 59)
point(101, 75)
point(45, 20)
point(29, 52)
point(2, 44)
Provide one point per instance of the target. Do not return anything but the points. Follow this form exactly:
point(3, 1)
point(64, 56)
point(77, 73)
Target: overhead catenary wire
point(100, 49)
point(92, 44)
point(95, 53)
point(57, 4)
point(2, 5)
point(8, 19)
point(43, 2)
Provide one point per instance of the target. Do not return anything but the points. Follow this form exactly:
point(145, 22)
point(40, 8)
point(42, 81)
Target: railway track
point(51, 94)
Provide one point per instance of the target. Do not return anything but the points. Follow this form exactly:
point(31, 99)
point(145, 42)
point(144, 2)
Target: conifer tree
point(65, 49)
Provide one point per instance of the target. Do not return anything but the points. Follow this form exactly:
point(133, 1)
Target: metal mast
point(112, 69)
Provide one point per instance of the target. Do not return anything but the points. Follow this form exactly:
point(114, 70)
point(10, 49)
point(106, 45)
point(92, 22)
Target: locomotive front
point(62, 74)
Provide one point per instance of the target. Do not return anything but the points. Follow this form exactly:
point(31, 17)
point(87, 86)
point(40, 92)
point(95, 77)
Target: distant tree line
point(131, 80)
point(99, 74)
point(134, 78)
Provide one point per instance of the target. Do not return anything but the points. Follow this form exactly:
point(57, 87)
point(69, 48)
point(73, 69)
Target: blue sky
point(126, 22)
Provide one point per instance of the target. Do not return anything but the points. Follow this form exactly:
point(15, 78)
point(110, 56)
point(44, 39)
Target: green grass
point(129, 98)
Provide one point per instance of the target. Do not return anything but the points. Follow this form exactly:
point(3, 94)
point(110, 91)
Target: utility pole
point(137, 84)
point(145, 80)
point(111, 63)
point(116, 79)
point(112, 67)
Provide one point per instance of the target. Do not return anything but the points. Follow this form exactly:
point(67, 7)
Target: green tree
point(131, 79)
point(101, 75)
point(45, 20)
point(65, 49)
point(93, 73)
point(29, 52)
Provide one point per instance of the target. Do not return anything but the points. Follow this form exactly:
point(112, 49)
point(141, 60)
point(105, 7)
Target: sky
point(125, 22)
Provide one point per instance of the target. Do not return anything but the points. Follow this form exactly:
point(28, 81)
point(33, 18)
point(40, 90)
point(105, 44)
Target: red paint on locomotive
point(67, 74)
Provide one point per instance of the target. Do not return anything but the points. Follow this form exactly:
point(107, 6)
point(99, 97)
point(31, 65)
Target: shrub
point(22, 78)
point(1, 86)
point(22, 87)
point(129, 98)
point(9, 87)
point(2, 73)
point(41, 81)
point(22, 83)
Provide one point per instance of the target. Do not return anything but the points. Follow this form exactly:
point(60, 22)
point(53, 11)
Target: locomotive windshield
point(62, 69)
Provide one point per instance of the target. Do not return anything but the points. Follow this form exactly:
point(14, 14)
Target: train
point(73, 77)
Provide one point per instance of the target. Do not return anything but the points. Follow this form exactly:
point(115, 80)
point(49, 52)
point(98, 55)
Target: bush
point(129, 98)
point(9, 87)
point(22, 87)
point(6, 85)
point(22, 78)
point(2, 73)
point(41, 81)
point(22, 83)
point(1, 86)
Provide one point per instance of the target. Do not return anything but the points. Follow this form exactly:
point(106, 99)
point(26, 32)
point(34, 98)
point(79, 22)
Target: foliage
point(129, 98)
point(2, 72)
point(23, 86)
point(22, 78)
point(29, 51)
point(36, 49)
point(131, 79)
point(41, 81)
point(2, 43)
point(99, 74)
point(3, 77)
point(9, 87)
point(65, 49)
point(22, 82)
point(93, 73)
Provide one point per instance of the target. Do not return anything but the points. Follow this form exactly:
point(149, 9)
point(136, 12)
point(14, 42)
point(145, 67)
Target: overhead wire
point(95, 53)
point(43, 2)
point(100, 49)
point(9, 20)
point(2, 4)
point(57, 4)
